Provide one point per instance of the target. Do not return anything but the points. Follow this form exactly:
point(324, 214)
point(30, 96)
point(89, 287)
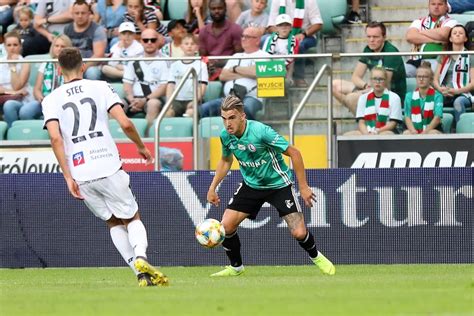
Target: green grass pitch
point(262, 290)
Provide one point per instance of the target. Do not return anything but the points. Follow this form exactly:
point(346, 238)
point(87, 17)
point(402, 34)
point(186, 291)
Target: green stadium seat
point(411, 84)
point(117, 132)
point(175, 127)
point(177, 9)
point(3, 129)
point(464, 17)
point(211, 126)
point(34, 67)
point(447, 122)
point(213, 91)
point(31, 131)
point(118, 87)
point(333, 13)
point(465, 125)
point(35, 123)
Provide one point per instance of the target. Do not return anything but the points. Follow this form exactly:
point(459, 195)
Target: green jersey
point(259, 153)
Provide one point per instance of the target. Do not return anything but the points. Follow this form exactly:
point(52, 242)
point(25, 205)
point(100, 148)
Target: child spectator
point(282, 42)
point(183, 103)
point(33, 42)
point(197, 16)
point(255, 16)
point(126, 47)
point(176, 31)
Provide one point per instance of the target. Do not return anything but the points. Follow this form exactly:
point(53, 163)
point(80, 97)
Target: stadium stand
point(176, 9)
point(447, 122)
point(35, 66)
point(333, 13)
point(28, 130)
point(3, 130)
point(213, 91)
point(210, 127)
point(175, 127)
point(465, 124)
point(117, 132)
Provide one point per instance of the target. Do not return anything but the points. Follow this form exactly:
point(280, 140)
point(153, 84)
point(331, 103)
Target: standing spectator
point(51, 16)
point(429, 34)
point(307, 22)
point(240, 77)
point(88, 36)
point(176, 30)
point(197, 16)
point(127, 46)
point(379, 111)
point(144, 82)
point(219, 38)
point(454, 76)
point(348, 92)
point(423, 108)
point(109, 14)
point(255, 16)
point(32, 41)
point(183, 104)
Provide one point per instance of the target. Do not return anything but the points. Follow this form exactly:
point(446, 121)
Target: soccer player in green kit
point(258, 149)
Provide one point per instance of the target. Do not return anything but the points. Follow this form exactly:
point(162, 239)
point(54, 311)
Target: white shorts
point(110, 196)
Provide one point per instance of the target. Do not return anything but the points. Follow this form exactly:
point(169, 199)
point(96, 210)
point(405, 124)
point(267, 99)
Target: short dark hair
point(374, 24)
point(83, 2)
point(70, 58)
point(232, 102)
point(218, 1)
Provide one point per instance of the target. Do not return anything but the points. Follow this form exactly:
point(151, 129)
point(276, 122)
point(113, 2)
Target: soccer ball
point(210, 233)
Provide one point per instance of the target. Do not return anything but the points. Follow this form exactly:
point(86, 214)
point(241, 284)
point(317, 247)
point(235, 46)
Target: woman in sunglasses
point(379, 110)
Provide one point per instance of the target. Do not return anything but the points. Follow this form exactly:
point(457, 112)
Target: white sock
point(239, 268)
point(119, 236)
point(137, 238)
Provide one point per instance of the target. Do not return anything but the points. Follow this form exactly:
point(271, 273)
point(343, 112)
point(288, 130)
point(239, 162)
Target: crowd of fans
point(134, 28)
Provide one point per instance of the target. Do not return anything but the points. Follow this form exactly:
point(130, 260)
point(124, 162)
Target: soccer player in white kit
point(76, 115)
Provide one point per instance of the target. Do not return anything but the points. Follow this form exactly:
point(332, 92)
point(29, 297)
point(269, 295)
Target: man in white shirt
point(76, 116)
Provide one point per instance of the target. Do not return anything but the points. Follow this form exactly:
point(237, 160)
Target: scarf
point(292, 48)
point(421, 120)
point(461, 74)
point(51, 79)
point(429, 23)
point(299, 15)
point(373, 119)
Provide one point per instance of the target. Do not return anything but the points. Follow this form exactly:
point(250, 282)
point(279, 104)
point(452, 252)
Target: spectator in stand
point(348, 92)
point(127, 46)
point(52, 16)
point(6, 14)
point(379, 110)
point(49, 75)
point(109, 14)
point(88, 36)
point(353, 17)
point(235, 7)
point(142, 17)
point(183, 103)
point(144, 82)
point(423, 109)
point(219, 38)
point(176, 31)
point(429, 34)
point(307, 22)
point(460, 6)
point(156, 6)
point(454, 75)
point(255, 16)
point(240, 77)
point(197, 16)
point(32, 41)
point(14, 87)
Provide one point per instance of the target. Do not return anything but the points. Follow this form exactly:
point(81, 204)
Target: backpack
point(470, 35)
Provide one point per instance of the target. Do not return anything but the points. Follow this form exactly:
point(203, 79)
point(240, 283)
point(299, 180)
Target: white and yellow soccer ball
point(210, 233)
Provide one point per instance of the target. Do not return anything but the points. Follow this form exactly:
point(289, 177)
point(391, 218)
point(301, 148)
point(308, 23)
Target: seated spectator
point(109, 14)
point(219, 38)
point(348, 92)
point(240, 77)
point(255, 16)
point(52, 16)
point(176, 31)
point(88, 36)
point(127, 46)
point(235, 7)
point(379, 111)
point(14, 88)
point(142, 17)
point(460, 6)
point(6, 13)
point(144, 82)
point(353, 17)
point(282, 42)
point(429, 34)
point(454, 76)
point(307, 22)
point(197, 16)
point(155, 5)
point(49, 75)
point(32, 41)
point(423, 109)
point(183, 103)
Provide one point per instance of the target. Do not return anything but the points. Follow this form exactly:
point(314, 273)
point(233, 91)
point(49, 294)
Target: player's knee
point(299, 233)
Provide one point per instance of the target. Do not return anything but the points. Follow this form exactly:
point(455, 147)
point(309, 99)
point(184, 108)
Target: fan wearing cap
point(127, 46)
point(176, 31)
point(282, 42)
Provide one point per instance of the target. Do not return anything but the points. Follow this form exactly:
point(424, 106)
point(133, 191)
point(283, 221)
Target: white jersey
point(81, 107)
point(177, 71)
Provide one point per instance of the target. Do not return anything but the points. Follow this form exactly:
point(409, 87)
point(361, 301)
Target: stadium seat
point(177, 9)
point(447, 122)
point(25, 131)
point(211, 126)
point(175, 127)
point(465, 125)
point(34, 67)
point(213, 91)
point(34, 123)
point(411, 84)
point(118, 87)
point(464, 17)
point(3, 129)
point(117, 132)
point(333, 13)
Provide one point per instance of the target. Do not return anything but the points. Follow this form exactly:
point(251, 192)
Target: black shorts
point(248, 200)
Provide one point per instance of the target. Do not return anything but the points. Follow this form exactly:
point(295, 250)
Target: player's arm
point(58, 149)
point(298, 166)
point(223, 167)
point(129, 129)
